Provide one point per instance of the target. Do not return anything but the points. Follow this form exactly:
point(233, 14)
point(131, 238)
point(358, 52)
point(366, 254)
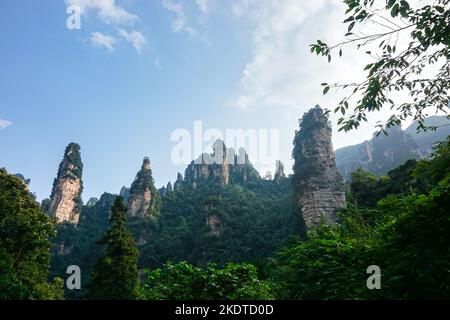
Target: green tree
point(24, 244)
point(330, 264)
point(415, 244)
point(406, 233)
point(183, 281)
point(115, 275)
point(421, 68)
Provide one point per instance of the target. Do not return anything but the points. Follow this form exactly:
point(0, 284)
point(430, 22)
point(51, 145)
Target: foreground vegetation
point(399, 222)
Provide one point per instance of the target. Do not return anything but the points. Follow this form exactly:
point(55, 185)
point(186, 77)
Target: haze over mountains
point(383, 153)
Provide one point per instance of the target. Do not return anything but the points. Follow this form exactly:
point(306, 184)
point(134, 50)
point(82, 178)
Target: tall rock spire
point(65, 200)
point(143, 198)
point(169, 187)
point(178, 185)
point(279, 172)
point(319, 188)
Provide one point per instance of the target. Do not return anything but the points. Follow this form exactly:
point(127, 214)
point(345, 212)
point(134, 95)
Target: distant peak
point(315, 116)
point(72, 147)
point(219, 146)
point(65, 199)
point(143, 196)
point(146, 164)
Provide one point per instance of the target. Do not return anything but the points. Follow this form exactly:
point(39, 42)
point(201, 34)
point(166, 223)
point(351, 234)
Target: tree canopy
point(115, 275)
point(401, 224)
point(25, 234)
point(421, 68)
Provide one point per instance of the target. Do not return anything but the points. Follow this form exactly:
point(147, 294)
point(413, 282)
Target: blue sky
point(138, 70)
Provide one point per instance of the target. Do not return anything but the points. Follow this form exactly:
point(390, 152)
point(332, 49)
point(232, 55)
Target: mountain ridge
point(382, 153)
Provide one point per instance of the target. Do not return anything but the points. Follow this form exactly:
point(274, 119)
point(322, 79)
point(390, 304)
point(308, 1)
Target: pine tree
point(115, 275)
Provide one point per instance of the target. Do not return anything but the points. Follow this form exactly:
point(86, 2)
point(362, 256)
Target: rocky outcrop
point(124, 191)
point(162, 191)
point(279, 172)
point(165, 190)
point(427, 139)
point(209, 166)
point(241, 169)
point(378, 155)
point(178, 185)
point(65, 200)
point(143, 198)
point(383, 153)
point(319, 187)
point(97, 213)
point(63, 248)
point(222, 165)
point(92, 202)
point(45, 205)
point(268, 176)
point(213, 219)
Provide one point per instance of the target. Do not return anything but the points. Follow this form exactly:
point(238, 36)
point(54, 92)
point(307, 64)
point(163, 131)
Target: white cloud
point(158, 64)
point(136, 38)
point(5, 123)
point(113, 15)
point(107, 10)
point(203, 5)
point(281, 71)
point(180, 21)
point(177, 9)
point(100, 40)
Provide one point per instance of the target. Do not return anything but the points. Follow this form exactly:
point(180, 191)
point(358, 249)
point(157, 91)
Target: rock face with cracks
point(65, 200)
point(223, 165)
point(319, 187)
point(143, 198)
point(279, 172)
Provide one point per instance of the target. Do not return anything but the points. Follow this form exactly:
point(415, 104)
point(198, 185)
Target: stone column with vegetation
point(319, 187)
point(65, 200)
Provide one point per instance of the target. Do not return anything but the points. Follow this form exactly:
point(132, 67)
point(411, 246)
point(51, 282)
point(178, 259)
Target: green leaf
point(350, 27)
point(395, 10)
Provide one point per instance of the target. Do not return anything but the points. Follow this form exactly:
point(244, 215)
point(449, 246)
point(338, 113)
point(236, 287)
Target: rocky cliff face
point(178, 185)
point(209, 166)
point(319, 188)
point(426, 140)
point(383, 153)
point(378, 155)
point(65, 200)
point(124, 191)
point(222, 165)
point(279, 172)
point(91, 202)
point(143, 198)
point(241, 170)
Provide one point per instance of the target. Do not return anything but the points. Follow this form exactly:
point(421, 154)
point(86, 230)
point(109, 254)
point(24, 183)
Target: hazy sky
point(138, 69)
